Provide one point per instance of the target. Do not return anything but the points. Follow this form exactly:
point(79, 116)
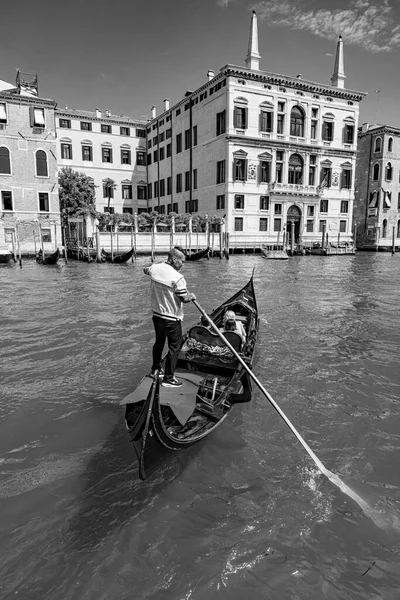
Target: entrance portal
point(293, 216)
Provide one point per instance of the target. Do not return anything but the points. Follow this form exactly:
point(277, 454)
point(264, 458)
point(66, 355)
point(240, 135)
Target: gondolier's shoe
point(174, 383)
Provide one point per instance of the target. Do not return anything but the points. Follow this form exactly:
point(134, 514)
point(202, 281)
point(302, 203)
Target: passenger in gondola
point(231, 324)
point(168, 293)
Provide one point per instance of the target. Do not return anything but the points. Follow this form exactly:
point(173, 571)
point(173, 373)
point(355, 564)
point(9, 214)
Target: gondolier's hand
point(189, 297)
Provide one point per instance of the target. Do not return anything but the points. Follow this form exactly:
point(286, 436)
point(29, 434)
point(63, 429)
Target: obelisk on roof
point(253, 56)
point(338, 76)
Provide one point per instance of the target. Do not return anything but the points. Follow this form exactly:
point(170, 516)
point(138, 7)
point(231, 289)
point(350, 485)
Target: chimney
point(210, 75)
point(364, 127)
point(108, 114)
point(153, 112)
point(299, 76)
point(166, 104)
point(98, 113)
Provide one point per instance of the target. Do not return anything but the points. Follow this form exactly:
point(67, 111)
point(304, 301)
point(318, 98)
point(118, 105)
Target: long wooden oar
point(378, 518)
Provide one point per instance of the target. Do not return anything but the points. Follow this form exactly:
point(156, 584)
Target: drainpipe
point(190, 155)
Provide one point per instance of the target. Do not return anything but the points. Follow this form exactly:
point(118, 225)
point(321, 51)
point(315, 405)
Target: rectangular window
point(344, 206)
point(38, 117)
point(348, 134)
point(86, 126)
point(106, 155)
point(169, 150)
point(263, 224)
point(187, 181)
point(346, 179)
point(141, 133)
point(323, 207)
point(240, 117)
point(149, 159)
point(105, 128)
point(175, 207)
point(240, 169)
point(127, 210)
point(322, 226)
point(280, 125)
point(64, 123)
point(108, 209)
point(326, 177)
point(238, 223)
point(221, 126)
point(221, 171)
point(148, 144)
point(66, 151)
point(46, 235)
point(125, 157)
point(187, 139)
point(342, 226)
point(155, 156)
point(162, 153)
point(264, 202)
point(279, 166)
point(278, 209)
point(169, 186)
point(314, 123)
point(266, 121)
point(398, 201)
point(108, 191)
point(156, 189)
point(149, 191)
point(312, 169)
point(327, 131)
point(162, 187)
point(44, 205)
point(310, 226)
point(127, 191)
point(265, 171)
point(6, 200)
point(195, 136)
point(277, 224)
point(161, 136)
point(125, 131)
point(239, 202)
point(140, 159)
point(220, 201)
point(87, 153)
point(179, 183)
point(162, 209)
point(179, 143)
point(195, 179)
point(310, 211)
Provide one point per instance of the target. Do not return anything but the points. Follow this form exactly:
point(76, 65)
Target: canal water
point(246, 514)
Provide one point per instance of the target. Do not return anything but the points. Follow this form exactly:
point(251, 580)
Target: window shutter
point(235, 116)
point(245, 119)
point(32, 116)
point(245, 165)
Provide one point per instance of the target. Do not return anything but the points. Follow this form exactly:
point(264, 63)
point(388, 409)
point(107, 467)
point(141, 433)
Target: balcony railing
point(294, 188)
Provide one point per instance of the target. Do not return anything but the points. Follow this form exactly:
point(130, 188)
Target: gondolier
point(168, 293)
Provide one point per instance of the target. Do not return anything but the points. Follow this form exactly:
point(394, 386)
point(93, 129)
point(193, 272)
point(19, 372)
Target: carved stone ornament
point(335, 179)
point(252, 171)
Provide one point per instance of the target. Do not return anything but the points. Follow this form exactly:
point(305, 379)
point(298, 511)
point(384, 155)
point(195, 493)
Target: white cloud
point(363, 23)
point(223, 3)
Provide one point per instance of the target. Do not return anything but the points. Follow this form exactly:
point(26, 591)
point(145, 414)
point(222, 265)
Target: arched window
point(297, 122)
point(389, 172)
point(377, 145)
point(5, 163)
point(295, 169)
point(384, 228)
point(390, 144)
point(41, 164)
point(376, 172)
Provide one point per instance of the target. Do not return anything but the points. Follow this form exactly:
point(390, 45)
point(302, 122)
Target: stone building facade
point(377, 194)
point(272, 153)
point(105, 146)
point(28, 165)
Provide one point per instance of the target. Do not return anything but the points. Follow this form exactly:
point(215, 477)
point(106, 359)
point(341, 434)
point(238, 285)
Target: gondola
point(51, 259)
point(191, 256)
point(117, 257)
point(161, 420)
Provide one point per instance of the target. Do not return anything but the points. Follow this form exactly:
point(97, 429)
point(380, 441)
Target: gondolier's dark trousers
point(172, 332)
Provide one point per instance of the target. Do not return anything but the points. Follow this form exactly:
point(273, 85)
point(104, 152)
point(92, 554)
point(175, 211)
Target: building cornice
point(30, 100)
point(112, 119)
point(292, 82)
point(379, 130)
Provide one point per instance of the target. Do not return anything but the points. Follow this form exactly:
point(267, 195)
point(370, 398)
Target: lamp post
point(96, 223)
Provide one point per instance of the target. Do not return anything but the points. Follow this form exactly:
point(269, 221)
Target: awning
point(3, 113)
point(39, 116)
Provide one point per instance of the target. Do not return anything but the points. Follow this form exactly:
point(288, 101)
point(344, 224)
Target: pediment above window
point(141, 182)
point(240, 100)
point(326, 163)
point(240, 154)
point(265, 156)
point(65, 140)
point(328, 117)
point(106, 145)
point(86, 142)
point(124, 146)
point(346, 165)
point(267, 105)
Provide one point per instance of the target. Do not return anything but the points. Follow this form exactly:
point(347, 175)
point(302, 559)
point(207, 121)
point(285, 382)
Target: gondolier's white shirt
point(167, 288)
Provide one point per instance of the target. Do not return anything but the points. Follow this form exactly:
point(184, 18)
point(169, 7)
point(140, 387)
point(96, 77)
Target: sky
point(128, 55)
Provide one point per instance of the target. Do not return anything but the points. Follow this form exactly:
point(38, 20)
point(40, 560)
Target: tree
point(110, 186)
point(77, 194)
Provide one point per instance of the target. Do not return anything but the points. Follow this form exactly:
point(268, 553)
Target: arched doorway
point(293, 216)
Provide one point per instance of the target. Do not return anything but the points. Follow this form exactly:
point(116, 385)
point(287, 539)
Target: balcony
point(293, 188)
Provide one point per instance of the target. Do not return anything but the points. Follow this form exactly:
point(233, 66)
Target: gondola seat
point(205, 336)
point(234, 339)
